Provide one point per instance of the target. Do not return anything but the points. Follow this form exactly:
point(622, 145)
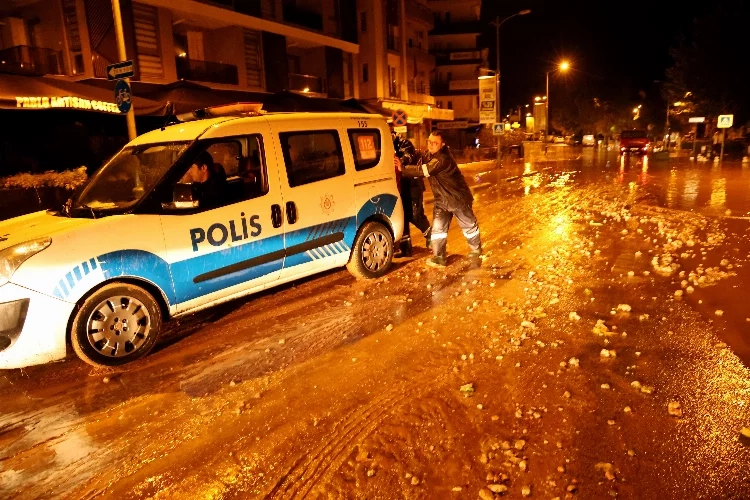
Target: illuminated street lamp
point(563, 66)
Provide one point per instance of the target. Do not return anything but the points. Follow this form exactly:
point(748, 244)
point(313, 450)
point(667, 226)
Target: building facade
point(372, 50)
point(395, 63)
point(307, 46)
point(460, 61)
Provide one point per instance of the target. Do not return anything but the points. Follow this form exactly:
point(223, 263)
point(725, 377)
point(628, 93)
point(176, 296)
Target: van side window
point(226, 156)
point(366, 147)
point(312, 156)
point(252, 173)
point(237, 172)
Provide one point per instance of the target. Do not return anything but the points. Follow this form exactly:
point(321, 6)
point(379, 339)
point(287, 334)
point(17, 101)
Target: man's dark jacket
point(448, 184)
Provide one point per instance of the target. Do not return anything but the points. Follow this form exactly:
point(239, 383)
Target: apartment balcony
point(419, 87)
point(206, 71)
point(456, 87)
point(307, 84)
point(420, 92)
point(23, 59)
point(421, 54)
point(463, 85)
point(458, 28)
point(444, 58)
point(419, 12)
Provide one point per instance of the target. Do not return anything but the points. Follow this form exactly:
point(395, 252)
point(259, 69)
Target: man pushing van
point(452, 197)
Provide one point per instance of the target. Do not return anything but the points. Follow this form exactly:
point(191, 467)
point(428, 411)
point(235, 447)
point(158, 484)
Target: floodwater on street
point(601, 350)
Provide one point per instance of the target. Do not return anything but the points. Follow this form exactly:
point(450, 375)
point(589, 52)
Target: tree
point(709, 71)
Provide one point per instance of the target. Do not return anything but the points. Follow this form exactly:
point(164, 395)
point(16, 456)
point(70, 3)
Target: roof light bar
point(237, 109)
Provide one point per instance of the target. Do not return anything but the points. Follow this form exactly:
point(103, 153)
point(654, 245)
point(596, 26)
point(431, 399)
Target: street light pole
point(122, 54)
point(546, 112)
point(498, 114)
point(563, 66)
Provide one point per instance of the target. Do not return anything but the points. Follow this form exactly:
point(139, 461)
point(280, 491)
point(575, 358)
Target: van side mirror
point(184, 197)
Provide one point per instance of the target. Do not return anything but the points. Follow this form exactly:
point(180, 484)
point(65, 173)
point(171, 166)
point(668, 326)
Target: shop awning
point(34, 93)
point(369, 107)
point(187, 96)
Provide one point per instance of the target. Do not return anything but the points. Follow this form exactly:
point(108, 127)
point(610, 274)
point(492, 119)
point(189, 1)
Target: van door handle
point(276, 219)
point(291, 212)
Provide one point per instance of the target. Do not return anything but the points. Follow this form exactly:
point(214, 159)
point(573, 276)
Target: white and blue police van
point(301, 193)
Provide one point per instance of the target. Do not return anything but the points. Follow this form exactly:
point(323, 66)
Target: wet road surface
point(599, 351)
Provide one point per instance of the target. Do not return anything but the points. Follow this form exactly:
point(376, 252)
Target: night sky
point(617, 49)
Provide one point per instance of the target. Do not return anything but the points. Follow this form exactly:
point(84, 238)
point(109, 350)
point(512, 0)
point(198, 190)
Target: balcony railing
point(206, 71)
point(419, 87)
point(416, 10)
point(444, 57)
point(31, 60)
point(465, 28)
point(307, 84)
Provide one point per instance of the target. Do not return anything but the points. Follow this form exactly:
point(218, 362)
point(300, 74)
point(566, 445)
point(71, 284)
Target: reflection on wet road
point(601, 350)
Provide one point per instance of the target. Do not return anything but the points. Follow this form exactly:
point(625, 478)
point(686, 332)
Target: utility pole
point(122, 54)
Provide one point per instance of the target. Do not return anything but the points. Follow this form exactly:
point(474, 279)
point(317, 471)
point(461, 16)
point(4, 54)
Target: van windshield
point(131, 173)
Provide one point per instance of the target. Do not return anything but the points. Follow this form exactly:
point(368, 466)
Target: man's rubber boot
point(436, 262)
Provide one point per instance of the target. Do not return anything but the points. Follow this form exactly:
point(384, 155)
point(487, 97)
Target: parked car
point(588, 140)
point(304, 193)
point(573, 140)
point(559, 139)
point(634, 141)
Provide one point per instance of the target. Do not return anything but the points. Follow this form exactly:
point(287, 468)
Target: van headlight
point(11, 258)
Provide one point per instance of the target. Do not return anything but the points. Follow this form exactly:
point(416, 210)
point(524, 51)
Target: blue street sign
point(120, 70)
point(399, 118)
point(123, 96)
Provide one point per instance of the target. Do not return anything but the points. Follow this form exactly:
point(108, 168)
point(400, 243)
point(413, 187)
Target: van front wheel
point(117, 324)
point(372, 253)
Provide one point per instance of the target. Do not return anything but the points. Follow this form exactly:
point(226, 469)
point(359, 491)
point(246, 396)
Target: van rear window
point(366, 147)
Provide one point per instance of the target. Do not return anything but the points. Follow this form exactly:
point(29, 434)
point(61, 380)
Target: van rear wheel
point(372, 253)
point(117, 324)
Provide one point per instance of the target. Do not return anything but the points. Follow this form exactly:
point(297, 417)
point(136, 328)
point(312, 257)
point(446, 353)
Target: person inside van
point(209, 181)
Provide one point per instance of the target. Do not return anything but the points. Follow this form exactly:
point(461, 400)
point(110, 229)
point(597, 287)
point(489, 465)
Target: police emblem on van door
point(327, 204)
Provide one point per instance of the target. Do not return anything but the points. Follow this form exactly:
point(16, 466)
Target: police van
point(299, 193)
